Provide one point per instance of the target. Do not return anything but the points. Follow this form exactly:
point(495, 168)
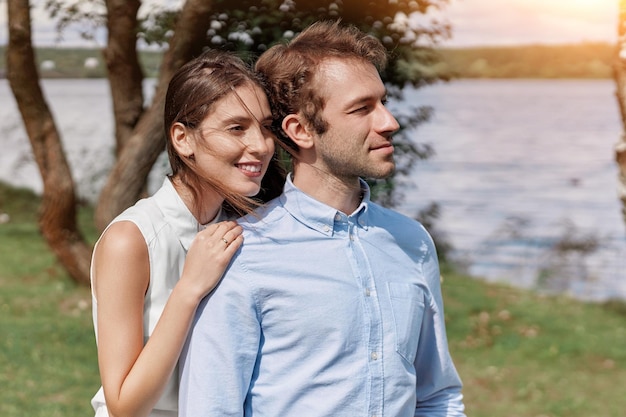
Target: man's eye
point(236, 128)
point(360, 109)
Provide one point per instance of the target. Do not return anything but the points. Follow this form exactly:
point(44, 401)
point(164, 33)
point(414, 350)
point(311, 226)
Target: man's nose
point(386, 121)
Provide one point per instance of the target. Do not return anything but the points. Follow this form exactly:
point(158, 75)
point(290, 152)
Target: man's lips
point(386, 147)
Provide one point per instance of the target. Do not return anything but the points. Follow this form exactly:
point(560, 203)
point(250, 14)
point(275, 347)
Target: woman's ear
point(297, 131)
point(181, 140)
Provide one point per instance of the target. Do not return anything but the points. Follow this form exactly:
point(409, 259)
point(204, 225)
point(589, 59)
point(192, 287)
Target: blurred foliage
point(407, 28)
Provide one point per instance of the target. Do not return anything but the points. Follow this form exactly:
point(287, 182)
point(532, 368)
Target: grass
point(47, 347)
point(519, 354)
point(522, 354)
point(70, 62)
point(590, 60)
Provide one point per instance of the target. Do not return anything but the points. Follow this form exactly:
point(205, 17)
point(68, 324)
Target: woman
point(157, 260)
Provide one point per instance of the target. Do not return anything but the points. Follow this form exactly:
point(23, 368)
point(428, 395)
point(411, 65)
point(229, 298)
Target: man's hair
point(289, 70)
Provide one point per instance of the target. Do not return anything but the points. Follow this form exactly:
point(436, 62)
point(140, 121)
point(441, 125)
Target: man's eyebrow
point(366, 98)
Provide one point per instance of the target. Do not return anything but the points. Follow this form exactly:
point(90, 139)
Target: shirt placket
point(373, 326)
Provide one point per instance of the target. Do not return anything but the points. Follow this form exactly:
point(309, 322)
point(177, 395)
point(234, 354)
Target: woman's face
point(234, 143)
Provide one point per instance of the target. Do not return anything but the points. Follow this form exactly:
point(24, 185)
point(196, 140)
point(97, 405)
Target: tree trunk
point(57, 217)
point(620, 79)
point(123, 68)
point(129, 175)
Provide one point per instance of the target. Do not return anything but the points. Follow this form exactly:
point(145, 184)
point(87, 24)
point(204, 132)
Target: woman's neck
point(204, 206)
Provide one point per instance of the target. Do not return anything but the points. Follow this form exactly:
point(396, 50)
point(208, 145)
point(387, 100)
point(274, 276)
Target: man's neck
point(343, 194)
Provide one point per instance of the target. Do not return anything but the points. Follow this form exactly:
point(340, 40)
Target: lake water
point(524, 173)
point(522, 169)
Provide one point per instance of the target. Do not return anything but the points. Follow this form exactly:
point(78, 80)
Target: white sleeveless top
point(168, 228)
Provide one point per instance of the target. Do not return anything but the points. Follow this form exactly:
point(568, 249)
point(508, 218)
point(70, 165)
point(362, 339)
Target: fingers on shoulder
point(223, 227)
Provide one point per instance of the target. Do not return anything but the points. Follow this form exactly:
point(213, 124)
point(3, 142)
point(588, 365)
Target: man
point(333, 305)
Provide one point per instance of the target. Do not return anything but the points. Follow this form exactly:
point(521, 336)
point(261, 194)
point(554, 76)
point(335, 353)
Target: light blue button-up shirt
point(323, 314)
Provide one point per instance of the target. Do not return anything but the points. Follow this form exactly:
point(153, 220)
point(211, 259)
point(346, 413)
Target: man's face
point(358, 140)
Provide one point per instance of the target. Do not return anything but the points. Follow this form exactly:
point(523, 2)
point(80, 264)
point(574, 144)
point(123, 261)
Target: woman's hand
point(209, 255)
point(134, 375)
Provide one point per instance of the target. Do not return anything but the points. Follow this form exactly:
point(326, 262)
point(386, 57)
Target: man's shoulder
point(264, 219)
point(385, 214)
point(398, 224)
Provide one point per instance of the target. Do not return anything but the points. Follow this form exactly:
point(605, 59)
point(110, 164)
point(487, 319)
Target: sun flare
point(582, 7)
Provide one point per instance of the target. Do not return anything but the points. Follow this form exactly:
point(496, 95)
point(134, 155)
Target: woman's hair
point(191, 95)
point(290, 69)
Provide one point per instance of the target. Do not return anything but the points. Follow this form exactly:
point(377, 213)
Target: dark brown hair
point(289, 70)
point(191, 94)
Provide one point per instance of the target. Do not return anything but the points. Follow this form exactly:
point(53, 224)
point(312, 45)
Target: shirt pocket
point(407, 306)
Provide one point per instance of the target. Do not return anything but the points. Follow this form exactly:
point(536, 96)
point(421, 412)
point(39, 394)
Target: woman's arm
point(134, 376)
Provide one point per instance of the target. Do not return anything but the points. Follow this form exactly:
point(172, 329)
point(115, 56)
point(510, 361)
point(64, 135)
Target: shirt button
point(367, 292)
point(327, 228)
point(337, 217)
point(374, 356)
point(351, 237)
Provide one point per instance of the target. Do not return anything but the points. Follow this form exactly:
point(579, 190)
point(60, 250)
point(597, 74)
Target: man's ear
point(298, 131)
point(181, 140)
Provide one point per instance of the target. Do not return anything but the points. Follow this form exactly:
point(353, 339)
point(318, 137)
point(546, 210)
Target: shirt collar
point(318, 215)
point(178, 215)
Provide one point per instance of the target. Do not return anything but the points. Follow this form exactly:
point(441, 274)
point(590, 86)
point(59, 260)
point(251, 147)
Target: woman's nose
point(261, 142)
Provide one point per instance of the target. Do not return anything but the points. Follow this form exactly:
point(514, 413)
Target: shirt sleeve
point(218, 360)
point(438, 388)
